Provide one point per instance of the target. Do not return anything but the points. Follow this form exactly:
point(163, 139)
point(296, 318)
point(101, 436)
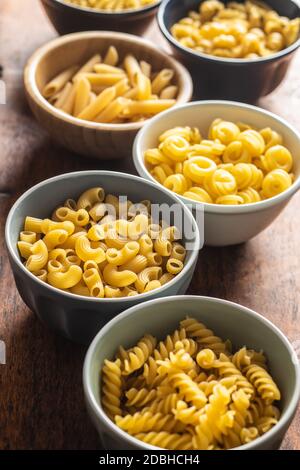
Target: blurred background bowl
point(102, 141)
point(75, 317)
point(231, 79)
point(161, 317)
point(67, 18)
point(224, 225)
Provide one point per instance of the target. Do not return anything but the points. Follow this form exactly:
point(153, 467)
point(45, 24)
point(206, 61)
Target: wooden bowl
point(67, 18)
point(102, 141)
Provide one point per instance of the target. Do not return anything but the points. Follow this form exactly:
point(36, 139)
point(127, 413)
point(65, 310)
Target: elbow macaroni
point(236, 30)
point(235, 165)
point(88, 251)
point(178, 395)
point(108, 93)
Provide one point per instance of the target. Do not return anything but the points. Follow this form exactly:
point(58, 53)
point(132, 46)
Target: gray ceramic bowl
point(80, 318)
point(224, 225)
point(160, 317)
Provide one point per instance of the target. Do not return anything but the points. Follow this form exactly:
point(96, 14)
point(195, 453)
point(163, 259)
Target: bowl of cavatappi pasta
point(93, 91)
point(239, 50)
point(191, 373)
point(85, 246)
point(128, 16)
point(238, 163)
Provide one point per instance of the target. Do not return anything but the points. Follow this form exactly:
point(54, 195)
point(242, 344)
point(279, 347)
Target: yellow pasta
point(246, 30)
point(235, 165)
point(164, 393)
point(112, 5)
point(111, 91)
point(102, 247)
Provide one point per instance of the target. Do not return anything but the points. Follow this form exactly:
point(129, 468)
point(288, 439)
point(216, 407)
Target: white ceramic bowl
point(224, 225)
point(160, 317)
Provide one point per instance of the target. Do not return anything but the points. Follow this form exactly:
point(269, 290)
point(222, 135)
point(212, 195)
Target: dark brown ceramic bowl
point(67, 18)
point(231, 79)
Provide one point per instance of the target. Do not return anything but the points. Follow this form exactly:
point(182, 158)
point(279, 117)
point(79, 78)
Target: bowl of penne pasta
point(85, 246)
point(93, 91)
point(128, 16)
point(191, 373)
point(238, 162)
point(242, 49)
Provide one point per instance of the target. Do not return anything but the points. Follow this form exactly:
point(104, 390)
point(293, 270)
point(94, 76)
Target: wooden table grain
point(41, 398)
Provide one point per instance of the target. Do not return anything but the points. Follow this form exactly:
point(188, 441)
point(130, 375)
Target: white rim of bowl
point(185, 91)
point(97, 408)
point(212, 58)
point(110, 12)
point(142, 170)
point(145, 296)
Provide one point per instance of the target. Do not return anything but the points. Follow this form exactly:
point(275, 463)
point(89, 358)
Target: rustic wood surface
point(41, 399)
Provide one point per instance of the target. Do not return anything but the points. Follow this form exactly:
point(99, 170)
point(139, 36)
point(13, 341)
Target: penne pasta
point(82, 97)
point(97, 106)
point(113, 111)
point(88, 66)
point(63, 95)
point(112, 56)
point(162, 80)
point(169, 93)
point(148, 107)
point(113, 90)
point(58, 82)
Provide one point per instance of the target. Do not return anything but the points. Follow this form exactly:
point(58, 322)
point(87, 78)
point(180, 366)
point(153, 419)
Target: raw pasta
point(101, 247)
point(112, 90)
point(246, 30)
point(112, 5)
point(234, 165)
point(190, 393)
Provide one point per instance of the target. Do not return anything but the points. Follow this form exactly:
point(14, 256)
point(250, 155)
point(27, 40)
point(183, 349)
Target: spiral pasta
point(236, 30)
point(235, 165)
point(100, 246)
point(181, 394)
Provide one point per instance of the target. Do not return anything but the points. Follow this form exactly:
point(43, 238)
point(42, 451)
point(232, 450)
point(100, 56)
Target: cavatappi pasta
point(113, 5)
point(190, 391)
point(101, 247)
point(234, 165)
point(112, 90)
point(236, 30)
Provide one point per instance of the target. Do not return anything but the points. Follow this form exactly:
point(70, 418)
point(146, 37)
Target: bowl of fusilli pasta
point(237, 162)
point(191, 373)
point(85, 246)
point(128, 16)
point(240, 49)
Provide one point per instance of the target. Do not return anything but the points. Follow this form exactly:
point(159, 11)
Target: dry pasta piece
point(111, 388)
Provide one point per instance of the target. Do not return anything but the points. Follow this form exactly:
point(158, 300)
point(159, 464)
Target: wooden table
point(41, 399)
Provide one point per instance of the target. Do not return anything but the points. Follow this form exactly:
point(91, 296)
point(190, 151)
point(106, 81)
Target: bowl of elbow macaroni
point(128, 16)
point(191, 373)
point(85, 246)
point(93, 91)
point(237, 162)
point(240, 49)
